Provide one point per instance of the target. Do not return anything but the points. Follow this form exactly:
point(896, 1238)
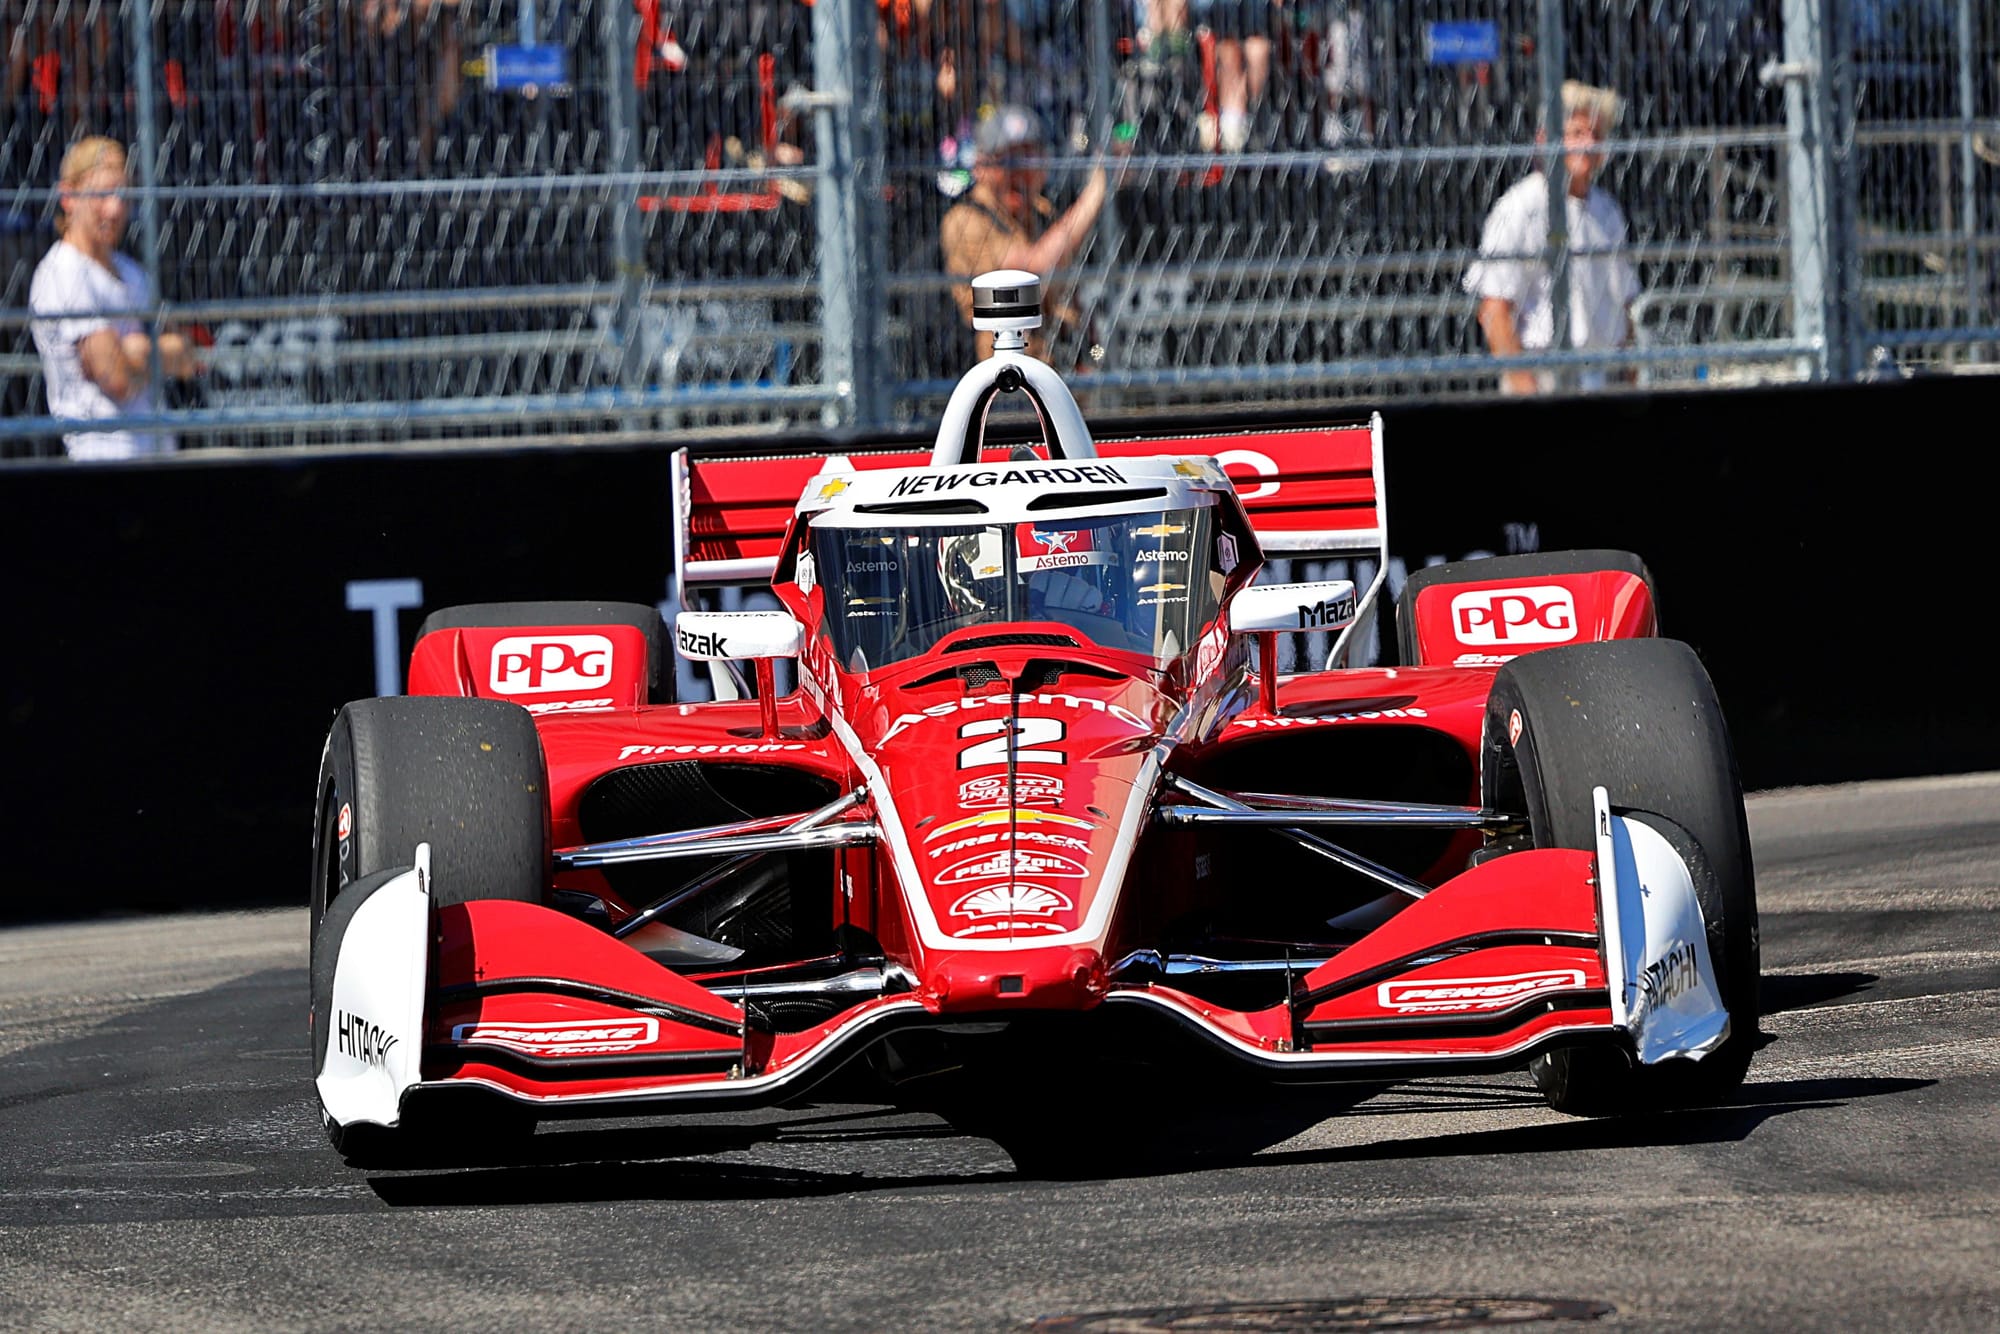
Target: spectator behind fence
point(85, 298)
point(1004, 221)
point(1511, 278)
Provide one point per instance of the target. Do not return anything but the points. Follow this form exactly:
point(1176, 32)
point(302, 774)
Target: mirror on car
point(1274, 608)
point(720, 636)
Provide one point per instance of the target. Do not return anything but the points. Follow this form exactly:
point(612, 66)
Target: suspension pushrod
point(1402, 884)
point(567, 858)
point(701, 885)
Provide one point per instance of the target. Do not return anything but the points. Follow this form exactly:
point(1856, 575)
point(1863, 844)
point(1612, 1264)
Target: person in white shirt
point(1511, 278)
point(86, 299)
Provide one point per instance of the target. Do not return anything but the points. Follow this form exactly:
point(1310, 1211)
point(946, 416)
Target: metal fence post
point(847, 115)
point(1968, 200)
point(618, 31)
point(1818, 318)
point(1550, 57)
point(141, 14)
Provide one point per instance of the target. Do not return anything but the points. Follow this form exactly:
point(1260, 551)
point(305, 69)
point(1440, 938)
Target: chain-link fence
point(468, 221)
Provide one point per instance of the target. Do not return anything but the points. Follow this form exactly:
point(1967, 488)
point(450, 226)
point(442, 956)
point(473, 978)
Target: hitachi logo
point(364, 1041)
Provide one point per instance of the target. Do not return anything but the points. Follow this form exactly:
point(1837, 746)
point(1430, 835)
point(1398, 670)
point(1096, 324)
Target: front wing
point(1521, 954)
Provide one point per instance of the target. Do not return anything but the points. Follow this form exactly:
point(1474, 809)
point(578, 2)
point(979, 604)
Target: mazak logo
point(1456, 994)
point(1005, 865)
point(979, 794)
point(1490, 616)
point(578, 1038)
point(545, 664)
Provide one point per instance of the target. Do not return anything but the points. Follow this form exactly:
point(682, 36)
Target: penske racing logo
point(1448, 995)
point(576, 1038)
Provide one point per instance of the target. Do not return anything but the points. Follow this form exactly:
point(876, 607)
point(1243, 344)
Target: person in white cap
point(1005, 222)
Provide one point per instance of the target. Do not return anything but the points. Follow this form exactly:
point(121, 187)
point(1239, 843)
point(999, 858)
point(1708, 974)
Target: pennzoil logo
point(575, 1038)
point(1443, 995)
point(1008, 863)
point(978, 794)
point(1012, 816)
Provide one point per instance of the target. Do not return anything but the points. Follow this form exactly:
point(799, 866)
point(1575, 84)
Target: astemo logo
point(545, 664)
point(1488, 616)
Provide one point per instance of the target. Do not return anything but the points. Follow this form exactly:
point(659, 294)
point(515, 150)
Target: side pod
point(370, 957)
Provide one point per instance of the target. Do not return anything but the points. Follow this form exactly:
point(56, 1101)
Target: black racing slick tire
point(466, 776)
point(1639, 718)
point(1533, 565)
point(496, 615)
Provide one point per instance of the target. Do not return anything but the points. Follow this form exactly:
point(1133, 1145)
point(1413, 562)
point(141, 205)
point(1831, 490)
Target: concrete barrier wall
point(179, 636)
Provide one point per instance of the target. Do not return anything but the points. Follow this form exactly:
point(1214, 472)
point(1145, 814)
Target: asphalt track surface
point(163, 1167)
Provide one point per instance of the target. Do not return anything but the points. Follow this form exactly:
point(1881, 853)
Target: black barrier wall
point(181, 633)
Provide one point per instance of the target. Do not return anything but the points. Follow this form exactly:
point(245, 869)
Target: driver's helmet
point(1067, 569)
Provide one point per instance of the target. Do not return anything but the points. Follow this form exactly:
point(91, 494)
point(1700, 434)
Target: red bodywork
point(1019, 869)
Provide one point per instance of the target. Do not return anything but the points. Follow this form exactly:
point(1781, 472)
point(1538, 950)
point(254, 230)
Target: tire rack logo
point(991, 837)
point(365, 1041)
point(980, 794)
point(576, 1038)
point(546, 664)
point(1012, 816)
point(1441, 995)
point(1008, 863)
point(1013, 907)
point(1544, 614)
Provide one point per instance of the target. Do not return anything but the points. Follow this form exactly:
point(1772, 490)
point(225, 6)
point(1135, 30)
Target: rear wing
point(1309, 491)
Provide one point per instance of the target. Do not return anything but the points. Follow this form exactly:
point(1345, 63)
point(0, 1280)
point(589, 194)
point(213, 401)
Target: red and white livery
point(1037, 796)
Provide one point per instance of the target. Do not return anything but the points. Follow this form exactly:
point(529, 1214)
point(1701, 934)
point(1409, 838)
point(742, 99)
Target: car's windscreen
point(1140, 582)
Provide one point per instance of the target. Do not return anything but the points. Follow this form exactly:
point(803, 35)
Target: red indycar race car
point(1033, 798)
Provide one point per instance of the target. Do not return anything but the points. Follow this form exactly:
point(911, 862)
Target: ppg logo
point(546, 664)
point(1486, 616)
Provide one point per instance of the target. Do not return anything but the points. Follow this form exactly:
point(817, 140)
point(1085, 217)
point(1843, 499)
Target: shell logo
point(1013, 901)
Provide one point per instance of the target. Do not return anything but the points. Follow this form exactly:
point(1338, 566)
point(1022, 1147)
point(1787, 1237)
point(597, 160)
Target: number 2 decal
point(1027, 731)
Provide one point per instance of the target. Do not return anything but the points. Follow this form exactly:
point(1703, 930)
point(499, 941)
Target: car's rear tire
point(1639, 718)
point(499, 615)
point(1532, 565)
point(466, 776)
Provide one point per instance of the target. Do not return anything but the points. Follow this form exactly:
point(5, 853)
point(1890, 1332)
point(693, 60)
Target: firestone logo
point(1492, 616)
point(545, 664)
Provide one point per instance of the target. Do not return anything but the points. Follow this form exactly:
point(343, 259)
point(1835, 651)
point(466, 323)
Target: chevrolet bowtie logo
point(833, 488)
point(1187, 469)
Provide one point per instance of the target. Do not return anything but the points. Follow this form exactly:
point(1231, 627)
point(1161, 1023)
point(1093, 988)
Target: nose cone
point(1036, 979)
point(1016, 815)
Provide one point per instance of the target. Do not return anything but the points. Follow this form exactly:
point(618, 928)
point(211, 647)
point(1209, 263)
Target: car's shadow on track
point(687, 1163)
point(1752, 1106)
point(1779, 992)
